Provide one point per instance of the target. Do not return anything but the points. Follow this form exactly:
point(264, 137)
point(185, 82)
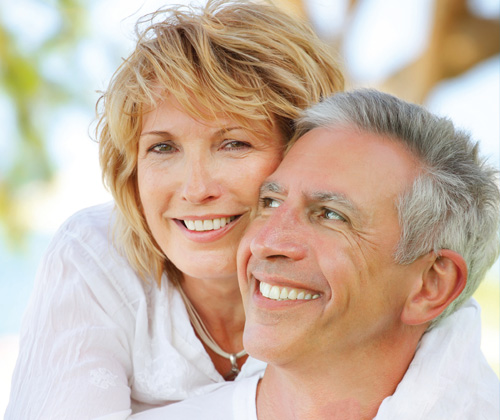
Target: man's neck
point(344, 388)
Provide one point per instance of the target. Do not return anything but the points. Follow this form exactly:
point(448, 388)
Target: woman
point(137, 303)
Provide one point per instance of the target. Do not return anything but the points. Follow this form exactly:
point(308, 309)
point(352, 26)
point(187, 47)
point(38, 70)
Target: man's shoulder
point(226, 401)
point(449, 376)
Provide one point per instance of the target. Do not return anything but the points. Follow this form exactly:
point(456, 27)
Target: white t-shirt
point(448, 379)
point(98, 341)
point(230, 401)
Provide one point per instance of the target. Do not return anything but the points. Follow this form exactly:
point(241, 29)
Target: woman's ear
point(441, 283)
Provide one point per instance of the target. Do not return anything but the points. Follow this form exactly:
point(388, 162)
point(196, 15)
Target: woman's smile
point(204, 225)
point(204, 230)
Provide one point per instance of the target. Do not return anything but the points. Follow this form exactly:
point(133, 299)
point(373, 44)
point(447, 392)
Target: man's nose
point(200, 183)
point(282, 235)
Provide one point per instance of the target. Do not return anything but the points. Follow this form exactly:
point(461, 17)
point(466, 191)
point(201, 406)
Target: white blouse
point(98, 341)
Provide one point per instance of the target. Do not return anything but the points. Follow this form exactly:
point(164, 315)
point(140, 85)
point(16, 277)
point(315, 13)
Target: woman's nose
point(280, 236)
point(200, 182)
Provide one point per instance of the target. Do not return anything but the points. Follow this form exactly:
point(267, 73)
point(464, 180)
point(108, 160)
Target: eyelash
point(155, 147)
point(265, 202)
point(235, 145)
point(231, 145)
point(337, 217)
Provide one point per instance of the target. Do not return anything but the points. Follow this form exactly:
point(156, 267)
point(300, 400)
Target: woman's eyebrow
point(159, 133)
point(225, 130)
point(166, 133)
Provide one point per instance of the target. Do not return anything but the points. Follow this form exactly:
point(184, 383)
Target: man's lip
point(278, 293)
point(282, 283)
point(279, 281)
point(268, 302)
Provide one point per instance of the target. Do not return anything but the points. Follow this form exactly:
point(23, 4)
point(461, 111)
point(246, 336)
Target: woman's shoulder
point(83, 252)
point(87, 238)
point(88, 222)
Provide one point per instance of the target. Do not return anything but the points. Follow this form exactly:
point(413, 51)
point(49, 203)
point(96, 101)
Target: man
point(357, 273)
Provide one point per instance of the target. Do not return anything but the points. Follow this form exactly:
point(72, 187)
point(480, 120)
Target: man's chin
point(262, 342)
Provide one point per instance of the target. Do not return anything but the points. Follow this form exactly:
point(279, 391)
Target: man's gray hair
point(455, 202)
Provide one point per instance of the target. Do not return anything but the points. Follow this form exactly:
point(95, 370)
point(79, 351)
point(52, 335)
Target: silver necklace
point(207, 338)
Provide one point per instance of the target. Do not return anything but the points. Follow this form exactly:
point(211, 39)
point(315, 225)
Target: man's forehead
point(345, 165)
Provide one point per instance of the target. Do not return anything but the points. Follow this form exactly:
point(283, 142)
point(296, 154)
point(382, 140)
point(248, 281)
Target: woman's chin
point(219, 270)
point(210, 260)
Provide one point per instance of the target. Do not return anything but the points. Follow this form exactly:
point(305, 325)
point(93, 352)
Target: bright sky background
point(371, 51)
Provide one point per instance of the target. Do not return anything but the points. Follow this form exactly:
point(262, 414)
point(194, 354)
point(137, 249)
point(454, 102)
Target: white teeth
point(265, 289)
point(208, 224)
point(284, 293)
point(274, 293)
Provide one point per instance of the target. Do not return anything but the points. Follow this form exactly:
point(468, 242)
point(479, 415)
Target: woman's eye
point(162, 148)
point(235, 145)
point(268, 202)
point(330, 214)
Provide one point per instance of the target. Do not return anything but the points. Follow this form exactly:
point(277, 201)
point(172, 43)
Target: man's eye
point(235, 145)
point(332, 215)
point(268, 202)
point(162, 148)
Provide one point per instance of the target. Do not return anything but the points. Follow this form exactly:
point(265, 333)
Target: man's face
point(326, 232)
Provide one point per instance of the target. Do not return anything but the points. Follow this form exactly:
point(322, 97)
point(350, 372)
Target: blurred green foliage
point(33, 96)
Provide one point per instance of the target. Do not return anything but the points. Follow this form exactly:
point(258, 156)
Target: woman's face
point(199, 183)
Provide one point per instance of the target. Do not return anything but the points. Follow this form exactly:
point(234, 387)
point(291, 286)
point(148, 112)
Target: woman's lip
point(207, 217)
point(205, 236)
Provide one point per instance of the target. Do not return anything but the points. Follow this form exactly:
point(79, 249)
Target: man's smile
point(285, 293)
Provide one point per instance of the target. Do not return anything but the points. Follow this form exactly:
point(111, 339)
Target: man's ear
point(440, 284)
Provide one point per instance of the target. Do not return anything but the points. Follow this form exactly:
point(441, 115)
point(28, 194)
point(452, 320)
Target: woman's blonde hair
point(246, 60)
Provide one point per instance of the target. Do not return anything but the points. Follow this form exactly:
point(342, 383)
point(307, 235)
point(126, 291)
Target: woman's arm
point(74, 360)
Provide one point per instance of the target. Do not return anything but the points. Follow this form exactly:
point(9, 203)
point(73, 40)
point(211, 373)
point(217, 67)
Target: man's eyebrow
point(317, 196)
point(327, 196)
point(270, 186)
